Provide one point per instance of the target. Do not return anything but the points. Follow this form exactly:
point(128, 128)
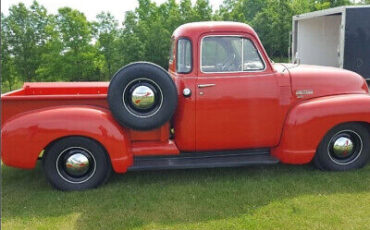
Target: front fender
point(309, 121)
point(27, 134)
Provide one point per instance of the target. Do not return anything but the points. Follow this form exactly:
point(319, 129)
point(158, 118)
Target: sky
point(90, 7)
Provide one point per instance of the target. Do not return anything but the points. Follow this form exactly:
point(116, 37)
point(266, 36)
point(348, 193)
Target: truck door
point(237, 96)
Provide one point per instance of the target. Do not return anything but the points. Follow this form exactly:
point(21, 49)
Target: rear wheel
point(76, 163)
point(345, 147)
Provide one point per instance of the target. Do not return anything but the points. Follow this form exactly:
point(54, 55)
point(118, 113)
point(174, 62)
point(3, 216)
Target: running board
point(205, 160)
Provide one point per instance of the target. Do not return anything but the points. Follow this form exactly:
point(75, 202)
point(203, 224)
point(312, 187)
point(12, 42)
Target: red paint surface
point(41, 113)
point(243, 110)
point(154, 148)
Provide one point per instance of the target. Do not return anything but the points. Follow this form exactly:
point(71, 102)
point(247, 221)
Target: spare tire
point(142, 96)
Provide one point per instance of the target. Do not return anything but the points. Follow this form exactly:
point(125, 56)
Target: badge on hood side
point(301, 93)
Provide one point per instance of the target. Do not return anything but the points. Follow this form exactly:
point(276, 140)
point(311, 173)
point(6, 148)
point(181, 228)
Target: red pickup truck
point(222, 103)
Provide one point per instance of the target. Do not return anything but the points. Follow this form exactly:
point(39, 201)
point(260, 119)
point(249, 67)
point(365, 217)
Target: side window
point(184, 56)
point(229, 54)
point(251, 58)
point(221, 54)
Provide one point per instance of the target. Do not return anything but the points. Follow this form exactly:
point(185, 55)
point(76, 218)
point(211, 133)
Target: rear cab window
point(172, 48)
point(184, 56)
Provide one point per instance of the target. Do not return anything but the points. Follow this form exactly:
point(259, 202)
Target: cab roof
point(197, 28)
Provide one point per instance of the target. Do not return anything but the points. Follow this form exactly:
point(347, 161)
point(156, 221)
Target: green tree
point(302, 6)
point(78, 55)
point(106, 33)
point(144, 36)
point(273, 24)
point(241, 10)
point(26, 37)
point(130, 44)
point(8, 73)
point(202, 10)
point(324, 4)
point(169, 13)
point(52, 63)
point(186, 11)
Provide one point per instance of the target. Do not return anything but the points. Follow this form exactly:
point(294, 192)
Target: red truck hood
point(310, 81)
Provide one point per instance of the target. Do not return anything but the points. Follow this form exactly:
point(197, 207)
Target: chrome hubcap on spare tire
point(76, 165)
point(142, 97)
point(345, 147)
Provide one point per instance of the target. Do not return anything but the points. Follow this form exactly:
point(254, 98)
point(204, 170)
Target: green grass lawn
point(271, 197)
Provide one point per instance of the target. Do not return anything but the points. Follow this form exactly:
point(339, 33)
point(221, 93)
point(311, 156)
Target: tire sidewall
point(323, 159)
point(153, 73)
point(102, 163)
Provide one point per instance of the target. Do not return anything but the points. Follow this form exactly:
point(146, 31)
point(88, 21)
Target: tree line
point(39, 46)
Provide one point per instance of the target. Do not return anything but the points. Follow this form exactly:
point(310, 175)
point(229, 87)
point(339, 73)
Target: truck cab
point(238, 100)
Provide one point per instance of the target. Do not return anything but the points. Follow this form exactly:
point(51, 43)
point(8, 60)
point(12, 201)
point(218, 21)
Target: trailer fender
point(309, 121)
point(27, 134)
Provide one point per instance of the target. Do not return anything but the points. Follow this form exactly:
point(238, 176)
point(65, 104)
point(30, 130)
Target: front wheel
point(345, 147)
point(76, 163)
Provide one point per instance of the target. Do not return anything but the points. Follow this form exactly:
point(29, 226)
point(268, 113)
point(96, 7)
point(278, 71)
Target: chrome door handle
point(205, 85)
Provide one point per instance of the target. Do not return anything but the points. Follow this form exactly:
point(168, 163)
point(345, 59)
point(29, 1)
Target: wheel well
point(362, 123)
point(366, 125)
point(322, 155)
point(45, 150)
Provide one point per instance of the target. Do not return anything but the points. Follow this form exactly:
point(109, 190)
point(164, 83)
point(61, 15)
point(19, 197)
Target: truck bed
point(33, 96)
point(39, 95)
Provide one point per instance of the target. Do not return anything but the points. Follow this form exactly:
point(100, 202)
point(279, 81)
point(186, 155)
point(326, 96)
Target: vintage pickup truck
point(222, 103)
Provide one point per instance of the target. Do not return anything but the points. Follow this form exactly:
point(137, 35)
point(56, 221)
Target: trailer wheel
point(345, 147)
point(142, 96)
point(76, 163)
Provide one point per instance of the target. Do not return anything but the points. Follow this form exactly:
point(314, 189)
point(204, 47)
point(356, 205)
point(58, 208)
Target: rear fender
point(27, 134)
point(309, 121)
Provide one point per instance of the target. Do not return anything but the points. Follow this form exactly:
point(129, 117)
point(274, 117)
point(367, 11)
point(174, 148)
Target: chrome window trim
point(239, 36)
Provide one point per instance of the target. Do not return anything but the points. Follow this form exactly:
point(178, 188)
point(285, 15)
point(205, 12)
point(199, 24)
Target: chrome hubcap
point(343, 146)
point(143, 97)
point(77, 164)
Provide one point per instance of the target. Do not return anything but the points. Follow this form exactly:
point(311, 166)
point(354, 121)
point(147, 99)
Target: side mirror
point(297, 60)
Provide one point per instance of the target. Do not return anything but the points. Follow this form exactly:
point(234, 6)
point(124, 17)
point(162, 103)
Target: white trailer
point(338, 37)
